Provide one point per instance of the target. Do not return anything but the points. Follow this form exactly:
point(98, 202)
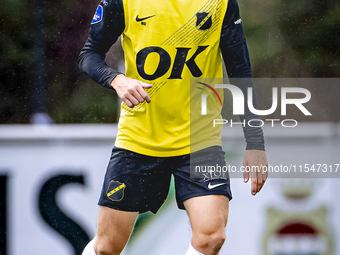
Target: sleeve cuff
point(108, 85)
point(255, 146)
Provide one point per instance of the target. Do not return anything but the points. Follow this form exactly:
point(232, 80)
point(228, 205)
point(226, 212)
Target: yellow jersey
point(166, 43)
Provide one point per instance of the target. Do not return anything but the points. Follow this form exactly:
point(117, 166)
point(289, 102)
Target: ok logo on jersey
point(164, 64)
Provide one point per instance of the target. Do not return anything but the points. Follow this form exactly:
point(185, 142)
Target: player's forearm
point(253, 135)
point(237, 62)
point(93, 65)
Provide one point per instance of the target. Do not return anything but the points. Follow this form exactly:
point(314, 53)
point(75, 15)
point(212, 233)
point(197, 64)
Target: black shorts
point(140, 183)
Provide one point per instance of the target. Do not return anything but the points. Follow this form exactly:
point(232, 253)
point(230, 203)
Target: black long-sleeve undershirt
point(232, 45)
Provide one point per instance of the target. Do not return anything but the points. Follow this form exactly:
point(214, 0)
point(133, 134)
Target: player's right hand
point(131, 91)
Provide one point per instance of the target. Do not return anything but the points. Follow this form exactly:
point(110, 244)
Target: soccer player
point(165, 44)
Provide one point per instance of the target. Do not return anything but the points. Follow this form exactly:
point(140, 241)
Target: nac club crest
point(203, 20)
point(115, 191)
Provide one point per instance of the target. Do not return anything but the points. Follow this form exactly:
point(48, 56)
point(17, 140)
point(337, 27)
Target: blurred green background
point(285, 38)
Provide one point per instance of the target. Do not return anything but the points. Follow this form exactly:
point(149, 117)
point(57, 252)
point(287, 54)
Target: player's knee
point(217, 240)
point(212, 240)
point(103, 247)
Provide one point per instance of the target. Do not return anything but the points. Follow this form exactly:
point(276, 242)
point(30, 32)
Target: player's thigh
point(190, 183)
point(113, 229)
point(134, 182)
point(208, 214)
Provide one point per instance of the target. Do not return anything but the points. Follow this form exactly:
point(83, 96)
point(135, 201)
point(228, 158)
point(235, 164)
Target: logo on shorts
point(115, 191)
point(215, 185)
point(204, 20)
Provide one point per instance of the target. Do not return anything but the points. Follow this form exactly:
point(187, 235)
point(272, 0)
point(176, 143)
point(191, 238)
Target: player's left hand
point(257, 164)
